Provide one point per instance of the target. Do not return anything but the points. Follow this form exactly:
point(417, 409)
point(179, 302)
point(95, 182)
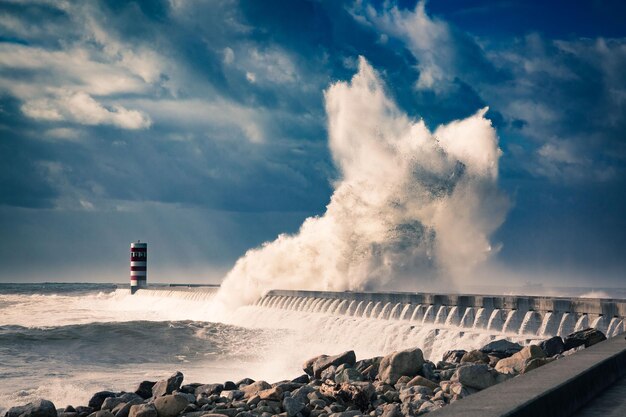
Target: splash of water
point(409, 202)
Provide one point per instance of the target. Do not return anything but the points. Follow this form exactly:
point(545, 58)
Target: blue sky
point(200, 126)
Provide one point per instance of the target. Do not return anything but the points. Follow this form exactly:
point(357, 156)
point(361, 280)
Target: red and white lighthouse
point(138, 266)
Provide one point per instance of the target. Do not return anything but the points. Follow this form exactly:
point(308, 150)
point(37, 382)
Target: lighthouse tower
point(138, 266)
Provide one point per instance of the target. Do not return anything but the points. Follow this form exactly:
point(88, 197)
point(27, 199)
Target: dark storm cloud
point(108, 106)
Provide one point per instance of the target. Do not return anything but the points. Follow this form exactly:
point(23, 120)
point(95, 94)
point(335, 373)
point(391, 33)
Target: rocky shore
point(402, 383)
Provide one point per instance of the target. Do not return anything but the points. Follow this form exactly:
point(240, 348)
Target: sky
point(200, 126)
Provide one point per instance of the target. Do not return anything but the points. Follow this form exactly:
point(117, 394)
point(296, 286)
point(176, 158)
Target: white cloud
point(429, 40)
point(81, 108)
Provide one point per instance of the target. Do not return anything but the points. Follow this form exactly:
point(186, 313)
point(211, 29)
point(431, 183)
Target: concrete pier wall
point(536, 315)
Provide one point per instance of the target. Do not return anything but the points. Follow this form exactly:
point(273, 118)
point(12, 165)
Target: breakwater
point(538, 315)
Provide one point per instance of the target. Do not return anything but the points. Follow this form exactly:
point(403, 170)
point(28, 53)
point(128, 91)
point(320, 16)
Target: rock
point(110, 403)
point(274, 394)
point(308, 365)
point(229, 386)
point(292, 406)
point(348, 375)
point(102, 413)
point(170, 405)
point(475, 356)
point(98, 398)
point(328, 373)
point(245, 381)
point(232, 395)
point(353, 413)
point(189, 388)
point(428, 406)
point(501, 348)
point(167, 386)
point(428, 370)
point(39, 408)
point(552, 346)
point(406, 362)
point(302, 379)
point(475, 376)
point(453, 356)
point(391, 410)
point(324, 362)
point(124, 410)
point(587, 337)
point(535, 363)
point(142, 410)
point(253, 388)
point(420, 380)
point(209, 389)
point(82, 410)
point(144, 389)
point(517, 362)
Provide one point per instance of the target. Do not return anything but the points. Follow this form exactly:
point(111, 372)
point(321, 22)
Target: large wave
point(409, 204)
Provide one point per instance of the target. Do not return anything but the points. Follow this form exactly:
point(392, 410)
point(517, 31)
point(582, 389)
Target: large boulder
point(403, 363)
point(587, 337)
point(209, 389)
point(98, 398)
point(323, 362)
point(144, 389)
point(253, 388)
point(167, 386)
point(475, 356)
point(536, 363)
point(170, 405)
point(142, 410)
point(517, 362)
point(39, 408)
point(501, 348)
point(477, 376)
point(454, 356)
point(292, 406)
point(420, 380)
point(552, 346)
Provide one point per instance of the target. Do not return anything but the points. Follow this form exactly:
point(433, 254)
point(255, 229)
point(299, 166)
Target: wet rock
point(142, 410)
point(453, 356)
point(110, 403)
point(98, 398)
point(324, 362)
point(170, 405)
point(209, 389)
point(144, 389)
point(391, 410)
point(123, 410)
point(501, 348)
point(83, 410)
point(420, 380)
point(328, 373)
point(254, 388)
point(477, 376)
point(552, 346)
point(102, 413)
point(406, 362)
point(167, 386)
point(292, 406)
point(348, 375)
point(39, 408)
point(229, 386)
point(475, 356)
point(189, 388)
point(535, 363)
point(274, 394)
point(245, 381)
point(517, 362)
point(587, 337)
point(302, 379)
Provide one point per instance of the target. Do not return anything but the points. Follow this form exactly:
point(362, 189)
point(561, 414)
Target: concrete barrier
point(557, 389)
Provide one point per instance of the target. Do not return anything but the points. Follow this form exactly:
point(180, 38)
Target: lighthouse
point(138, 266)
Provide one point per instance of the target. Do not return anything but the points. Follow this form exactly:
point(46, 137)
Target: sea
point(64, 342)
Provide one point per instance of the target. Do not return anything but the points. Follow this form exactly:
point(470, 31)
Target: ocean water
point(64, 342)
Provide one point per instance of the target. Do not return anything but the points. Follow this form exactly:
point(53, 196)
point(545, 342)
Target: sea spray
point(409, 203)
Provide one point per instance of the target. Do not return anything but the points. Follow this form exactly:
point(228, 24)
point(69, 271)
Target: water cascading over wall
point(514, 315)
